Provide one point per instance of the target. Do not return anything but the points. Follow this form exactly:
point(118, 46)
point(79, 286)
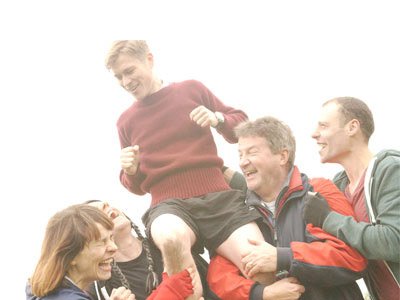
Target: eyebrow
point(248, 149)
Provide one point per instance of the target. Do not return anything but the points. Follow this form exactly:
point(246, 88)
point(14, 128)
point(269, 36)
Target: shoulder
point(190, 84)
point(68, 293)
point(388, 157)
point(386, 164)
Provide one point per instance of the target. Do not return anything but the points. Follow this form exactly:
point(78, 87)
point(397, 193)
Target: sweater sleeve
point(326, 260)
point(132, 182)
point(382, 240)
point(226, 282)
point(231, 115)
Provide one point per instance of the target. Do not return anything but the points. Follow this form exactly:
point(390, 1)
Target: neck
point(129, 247)
point(356, 163)
point(273, 187)
point(157, 85)
point(77, 280)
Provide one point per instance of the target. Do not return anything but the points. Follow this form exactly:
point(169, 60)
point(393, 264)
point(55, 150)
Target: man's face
point(135, 75)
point(330, 134)
point(259, 165)
point(94, 261)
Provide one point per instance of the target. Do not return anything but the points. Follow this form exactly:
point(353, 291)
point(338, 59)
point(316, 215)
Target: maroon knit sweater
point(178, 158)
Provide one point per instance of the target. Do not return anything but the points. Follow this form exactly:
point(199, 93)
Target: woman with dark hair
point(138, 264)
point(78, 248)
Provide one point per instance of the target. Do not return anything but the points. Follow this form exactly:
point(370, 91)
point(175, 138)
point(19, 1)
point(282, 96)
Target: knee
point(170, 229)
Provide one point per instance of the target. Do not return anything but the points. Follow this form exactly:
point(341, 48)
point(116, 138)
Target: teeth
point(250, 172)
point(107, 261)
point(133, 88)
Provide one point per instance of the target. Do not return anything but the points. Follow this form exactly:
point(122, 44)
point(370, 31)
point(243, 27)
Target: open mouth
point(112, 214)
point(132, 88)
point(248, 174)
point(105, 265)
point(321, 147)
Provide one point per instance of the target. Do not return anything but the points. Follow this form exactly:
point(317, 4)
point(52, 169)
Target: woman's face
point(95, 260)
point(121, 223)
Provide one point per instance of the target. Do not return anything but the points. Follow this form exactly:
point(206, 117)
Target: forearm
point(380, 241)
point(326, 261)
point(226, 281)
point(232, 118)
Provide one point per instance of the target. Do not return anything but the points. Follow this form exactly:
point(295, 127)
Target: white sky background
point(59, 105)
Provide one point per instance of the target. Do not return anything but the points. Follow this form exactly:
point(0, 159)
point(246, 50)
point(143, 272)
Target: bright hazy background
point(59, 104)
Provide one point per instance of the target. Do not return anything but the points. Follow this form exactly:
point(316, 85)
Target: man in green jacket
point(371, 183)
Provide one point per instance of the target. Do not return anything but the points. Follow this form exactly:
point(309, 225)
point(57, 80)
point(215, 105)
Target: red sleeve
point(327, 251)
point(225, 280)
point(176, 287)
point(335, 198)
point(340, 261)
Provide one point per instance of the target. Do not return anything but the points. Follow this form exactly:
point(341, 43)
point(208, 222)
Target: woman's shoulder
point(67, 293)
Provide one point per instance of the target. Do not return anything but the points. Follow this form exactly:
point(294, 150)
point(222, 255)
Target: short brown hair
point(353, 108)
point(136, 48)
point(277, 134)
point(67, 233)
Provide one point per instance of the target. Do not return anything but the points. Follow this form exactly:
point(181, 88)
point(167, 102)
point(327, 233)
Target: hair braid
point(117, 271)
point(152, 278)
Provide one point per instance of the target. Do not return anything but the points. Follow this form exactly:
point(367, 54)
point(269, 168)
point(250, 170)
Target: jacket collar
point(292, 184)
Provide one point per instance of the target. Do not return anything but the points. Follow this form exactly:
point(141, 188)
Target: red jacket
point(324, 264)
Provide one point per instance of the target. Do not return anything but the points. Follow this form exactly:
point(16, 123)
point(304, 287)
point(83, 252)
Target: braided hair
point(152, 278)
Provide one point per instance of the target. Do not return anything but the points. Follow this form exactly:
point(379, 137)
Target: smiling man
point(319, 265)
point(371, 185)
point(168, 150)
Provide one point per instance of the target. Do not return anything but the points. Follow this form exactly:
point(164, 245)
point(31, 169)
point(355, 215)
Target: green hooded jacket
point(380, 241)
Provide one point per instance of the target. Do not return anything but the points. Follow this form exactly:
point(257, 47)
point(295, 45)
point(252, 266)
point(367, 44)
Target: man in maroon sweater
point(168, 151)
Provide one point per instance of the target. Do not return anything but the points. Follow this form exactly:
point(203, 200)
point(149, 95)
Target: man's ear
point(150, 59)
point(284, 157)
point(353, 127)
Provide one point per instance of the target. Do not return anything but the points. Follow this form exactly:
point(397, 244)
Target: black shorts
point(213, 217)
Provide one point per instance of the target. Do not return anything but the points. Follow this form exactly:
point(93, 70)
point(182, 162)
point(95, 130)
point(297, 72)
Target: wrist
point(220, 119)
point(257, 291)
point(268, 293)
point(131, 171)
point(284, 258)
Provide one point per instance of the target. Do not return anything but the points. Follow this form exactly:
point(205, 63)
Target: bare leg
point(237, 245)
point(175, 239)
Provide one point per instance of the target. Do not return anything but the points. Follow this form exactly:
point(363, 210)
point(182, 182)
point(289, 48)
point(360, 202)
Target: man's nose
point(315, 134)
point(244, 161)
point(125, 81)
